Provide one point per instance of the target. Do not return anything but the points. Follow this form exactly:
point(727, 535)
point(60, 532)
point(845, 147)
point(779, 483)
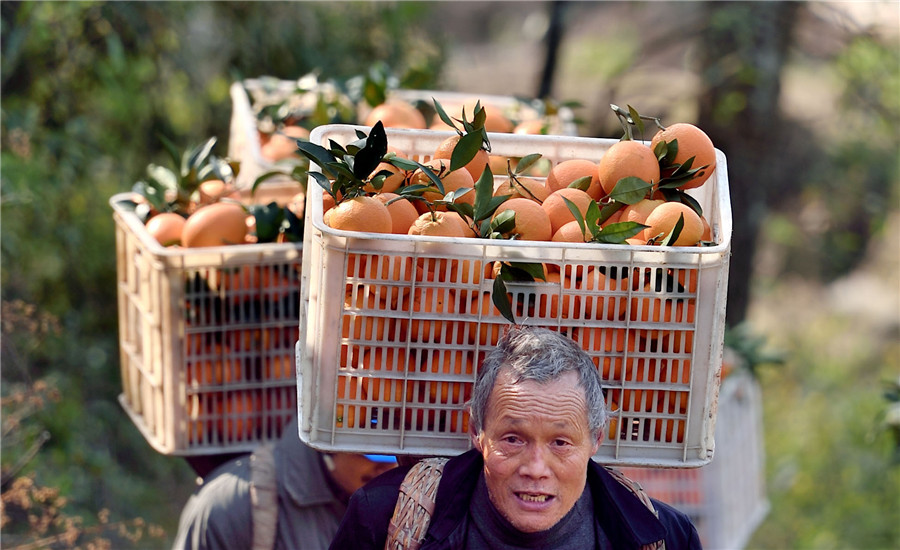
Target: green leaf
point(316, 153)
point(618, 233)
point(404, 164)
point(670, 239)
point(484, 192)
point(500, 298)
point(443, 114)
point(171, 149)
point(368, 158)
point(671, 153)
point(608, 210)
point(197, 156)
point(582, 183)
point(464, 210)
point(452, 196)
point(323, 182)
point(269, 218)
point(630, 190)
point(573, 208)
point(504, 222)
point(465, 150)
point(636, 119)
point(592, 216)
point(527, 162)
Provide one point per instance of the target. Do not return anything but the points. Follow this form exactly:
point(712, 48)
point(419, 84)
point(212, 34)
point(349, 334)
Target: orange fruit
point(567, 171)
point(395, 272)
point(535, 126)
point(210, 363)
point(521, 187)
point(430, 307)
point(707, 230)
point(382, 389)
point(283, 144)
point(297, 204)
point(437, 224)
point(663, 218)
point(360, 214)
point(166, 228)
point(403, 213)
point(211, 191)
point(557, 209)
point(421, 395)
point(475, 166)
point(488, 325)
point(611, 349)
point(571, 232)
point(602, 298)
point(692, 142)
point(638, 212)
point(241, 416)
point(457, 179)
point(361, 323)
point(532, 223)
point(217, 224)
point(395, 113)
point(624, 159)
point(557, 302)
point(349, 388)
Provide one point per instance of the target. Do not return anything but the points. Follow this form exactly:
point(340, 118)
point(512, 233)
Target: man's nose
point(536, 462)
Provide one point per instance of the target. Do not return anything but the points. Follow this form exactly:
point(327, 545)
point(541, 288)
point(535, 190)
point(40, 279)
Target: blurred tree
point(820, 200)
point(88, 88)
point(742, 52)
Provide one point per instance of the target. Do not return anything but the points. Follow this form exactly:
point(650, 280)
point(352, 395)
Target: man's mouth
point(533, 497)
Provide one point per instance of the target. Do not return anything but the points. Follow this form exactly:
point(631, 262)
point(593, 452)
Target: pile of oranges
point(399, 309)
point(239, 318)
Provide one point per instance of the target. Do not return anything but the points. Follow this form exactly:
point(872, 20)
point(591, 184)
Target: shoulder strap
point(263, 497)
point(641, 495)
point(415, 505)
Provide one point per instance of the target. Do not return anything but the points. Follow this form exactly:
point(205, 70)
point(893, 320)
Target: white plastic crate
point(206, 337)
point(383, 367)
point(244, 140)
point(726, 499)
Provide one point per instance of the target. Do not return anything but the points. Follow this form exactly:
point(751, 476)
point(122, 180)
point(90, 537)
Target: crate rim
point(134, 224)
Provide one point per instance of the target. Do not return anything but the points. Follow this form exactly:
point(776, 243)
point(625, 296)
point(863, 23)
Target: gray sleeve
point(218, 515)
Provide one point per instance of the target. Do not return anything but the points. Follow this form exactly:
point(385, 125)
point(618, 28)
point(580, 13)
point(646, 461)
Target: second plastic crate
point(726, 499)
point(206, 337)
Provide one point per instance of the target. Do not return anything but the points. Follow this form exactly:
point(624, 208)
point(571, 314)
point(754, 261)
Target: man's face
point(536, 446)
point(352, 471)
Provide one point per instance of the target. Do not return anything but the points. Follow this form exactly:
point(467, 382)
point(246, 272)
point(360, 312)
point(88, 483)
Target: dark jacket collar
point(624, 518)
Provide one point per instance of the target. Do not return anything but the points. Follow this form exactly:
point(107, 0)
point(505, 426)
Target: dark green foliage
point(88, 89)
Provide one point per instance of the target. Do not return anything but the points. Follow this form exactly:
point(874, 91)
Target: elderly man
point(537, 417)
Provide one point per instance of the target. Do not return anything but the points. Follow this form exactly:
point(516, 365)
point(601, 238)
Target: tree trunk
point(742, 52)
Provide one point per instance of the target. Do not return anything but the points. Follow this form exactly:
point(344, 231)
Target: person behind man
point(537, 416)
point(283, 496)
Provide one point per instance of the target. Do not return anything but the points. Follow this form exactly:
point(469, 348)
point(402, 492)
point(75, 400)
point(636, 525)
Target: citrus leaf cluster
point(173, 189)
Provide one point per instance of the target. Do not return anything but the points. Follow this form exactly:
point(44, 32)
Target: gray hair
point(541, 355)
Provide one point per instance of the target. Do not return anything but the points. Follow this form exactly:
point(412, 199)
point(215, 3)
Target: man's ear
point(597, 444)
point(476, 440)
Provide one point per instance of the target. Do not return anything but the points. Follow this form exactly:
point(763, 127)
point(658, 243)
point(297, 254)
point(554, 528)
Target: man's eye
point(561, 443)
